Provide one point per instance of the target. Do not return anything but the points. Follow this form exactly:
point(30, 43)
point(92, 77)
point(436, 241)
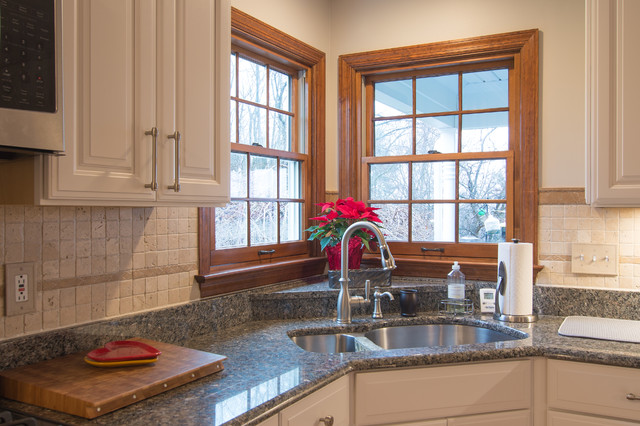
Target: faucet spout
point(388, 263)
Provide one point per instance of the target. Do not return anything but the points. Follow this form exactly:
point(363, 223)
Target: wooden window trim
point(522, 48)
point(254, 35)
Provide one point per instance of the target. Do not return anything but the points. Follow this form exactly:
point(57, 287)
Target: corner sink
point(417, 336)
point(326, 343)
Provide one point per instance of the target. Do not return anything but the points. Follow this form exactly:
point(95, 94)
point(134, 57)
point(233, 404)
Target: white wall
point(347, 26)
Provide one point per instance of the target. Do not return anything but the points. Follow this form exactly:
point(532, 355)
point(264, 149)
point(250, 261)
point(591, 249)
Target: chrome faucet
point(377, 295)
point(388, 263)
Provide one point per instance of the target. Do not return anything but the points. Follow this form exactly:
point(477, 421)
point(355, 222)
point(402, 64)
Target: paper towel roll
point(517, 297)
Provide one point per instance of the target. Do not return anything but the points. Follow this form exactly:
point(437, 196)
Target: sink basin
point(326, 343)
point(417, 336)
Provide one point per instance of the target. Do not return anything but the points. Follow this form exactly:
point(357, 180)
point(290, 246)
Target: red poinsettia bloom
point(338, 217)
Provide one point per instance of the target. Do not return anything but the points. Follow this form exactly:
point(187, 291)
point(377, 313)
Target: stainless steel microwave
point(31, 76)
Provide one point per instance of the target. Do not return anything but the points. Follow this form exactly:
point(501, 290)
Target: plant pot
point(355, 255)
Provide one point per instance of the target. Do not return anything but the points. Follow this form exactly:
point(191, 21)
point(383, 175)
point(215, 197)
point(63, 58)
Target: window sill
point(243, 278)
point(473, 269)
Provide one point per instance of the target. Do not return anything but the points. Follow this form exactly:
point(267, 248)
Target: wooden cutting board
point(70, 385)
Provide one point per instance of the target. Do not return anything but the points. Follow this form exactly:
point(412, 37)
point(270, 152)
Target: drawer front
point(332, 400)
point(594, 389)
point(556, 418)
point(510, 418)
point(394, 396)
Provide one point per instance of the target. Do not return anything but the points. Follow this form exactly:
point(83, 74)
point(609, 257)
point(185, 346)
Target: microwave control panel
point(27, 55)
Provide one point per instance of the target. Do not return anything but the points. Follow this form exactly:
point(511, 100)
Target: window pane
point(238, 175)
point(232, 71)
point(263, 179)
point(233, 121)
point(485, 132)
point(252, 84)
point(393, 137)
point(389, 181)
point(231, 225)
point(483, 180)
point(393, 98)
point(437, 134)
point(395, 221)
point(290, 222)
point(485, 89)
point(434, 181)
point(290, 179)
point(437, 94)
point(279, 90)
point(253, 125)
point(279, 131)
point(482, 223)
point(433, 222)
point(264, 223)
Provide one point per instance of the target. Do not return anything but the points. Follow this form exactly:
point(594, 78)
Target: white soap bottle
point(455, 289)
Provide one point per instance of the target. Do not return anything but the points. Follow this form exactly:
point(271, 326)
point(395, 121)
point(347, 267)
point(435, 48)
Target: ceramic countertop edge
point(266, 371)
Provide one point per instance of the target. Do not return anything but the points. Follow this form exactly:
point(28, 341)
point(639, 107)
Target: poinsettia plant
point(337, 217)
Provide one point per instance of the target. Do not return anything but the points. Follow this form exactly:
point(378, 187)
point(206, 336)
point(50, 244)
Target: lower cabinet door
point(330, 402)
point(556, 418)
point(511, 418)
point(415, 394)
point(271, 421)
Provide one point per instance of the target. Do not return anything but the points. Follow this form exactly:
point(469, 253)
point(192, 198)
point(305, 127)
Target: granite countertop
point(265, 371)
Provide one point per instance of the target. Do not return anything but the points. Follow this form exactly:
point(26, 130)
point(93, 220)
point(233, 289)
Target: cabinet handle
point(327, 421)
point(176, 181)
point(154, 158)
point(633, 397)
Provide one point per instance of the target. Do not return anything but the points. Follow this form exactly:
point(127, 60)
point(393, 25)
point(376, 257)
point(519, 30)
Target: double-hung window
point(444, 138)
point(277, 163)
point(268, 163)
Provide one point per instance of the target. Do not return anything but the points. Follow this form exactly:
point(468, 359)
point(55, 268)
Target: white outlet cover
point(12, 273)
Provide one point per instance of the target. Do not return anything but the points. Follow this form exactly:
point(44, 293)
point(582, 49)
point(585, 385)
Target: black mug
point(408, 302)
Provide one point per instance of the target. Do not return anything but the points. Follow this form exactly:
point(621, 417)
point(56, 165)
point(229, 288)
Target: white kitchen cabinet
point(613, 103)
point(444, 392)
point(271, 421)
point(330, 402)
point(594, 392)
point(509, 418)
point(133, 68)
point(557, 418)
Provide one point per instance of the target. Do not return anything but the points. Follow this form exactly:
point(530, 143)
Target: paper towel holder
point(500, 287)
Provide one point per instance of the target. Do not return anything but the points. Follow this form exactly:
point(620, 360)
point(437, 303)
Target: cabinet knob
point(633, 397)
point(326, 421)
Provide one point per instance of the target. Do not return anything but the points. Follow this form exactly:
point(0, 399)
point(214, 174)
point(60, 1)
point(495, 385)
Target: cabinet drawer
point(510, 418)
point(331, 400)
point(394, 396)
point(556, 418)
point(594, 389)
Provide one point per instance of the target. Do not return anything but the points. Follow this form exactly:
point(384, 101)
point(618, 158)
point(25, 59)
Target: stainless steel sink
point(417, 336)
point(326, 343)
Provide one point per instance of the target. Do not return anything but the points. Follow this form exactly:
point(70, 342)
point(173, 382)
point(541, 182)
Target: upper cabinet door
point(146, 98)
point(109, 102)
point(193, 100)
point(613, 103)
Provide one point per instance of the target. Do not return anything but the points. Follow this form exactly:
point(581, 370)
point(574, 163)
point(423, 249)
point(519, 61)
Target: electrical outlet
point(594, 259)
point(20, 288)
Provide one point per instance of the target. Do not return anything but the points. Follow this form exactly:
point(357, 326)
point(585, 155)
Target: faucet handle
point(367, 290)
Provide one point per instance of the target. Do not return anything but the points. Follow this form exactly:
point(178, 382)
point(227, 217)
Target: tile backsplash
point(98, 262)
point(562, 222)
